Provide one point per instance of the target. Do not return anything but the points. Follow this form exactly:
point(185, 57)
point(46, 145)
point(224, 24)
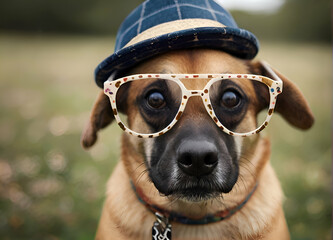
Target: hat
point(159, 26)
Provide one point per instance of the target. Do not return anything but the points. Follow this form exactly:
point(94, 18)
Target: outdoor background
point(50, 188)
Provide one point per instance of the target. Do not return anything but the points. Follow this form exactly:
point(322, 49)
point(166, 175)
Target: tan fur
point(123, 214)
point(124, 217)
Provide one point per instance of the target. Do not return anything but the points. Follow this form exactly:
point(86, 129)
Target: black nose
point(197, 158)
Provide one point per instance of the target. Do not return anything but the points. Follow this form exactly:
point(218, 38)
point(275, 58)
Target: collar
point(176, 217)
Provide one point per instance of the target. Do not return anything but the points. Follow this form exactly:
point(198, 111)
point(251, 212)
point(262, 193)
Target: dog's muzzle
point(194, 165)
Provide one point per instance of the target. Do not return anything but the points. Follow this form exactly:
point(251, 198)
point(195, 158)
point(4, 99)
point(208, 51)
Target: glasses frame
point(274, 85)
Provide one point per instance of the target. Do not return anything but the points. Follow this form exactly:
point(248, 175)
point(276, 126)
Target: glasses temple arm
point(270, 71)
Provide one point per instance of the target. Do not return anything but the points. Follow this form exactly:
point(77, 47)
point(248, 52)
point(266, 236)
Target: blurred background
point(50, 188)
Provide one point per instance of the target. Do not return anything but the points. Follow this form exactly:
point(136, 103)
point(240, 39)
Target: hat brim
point(238, 42)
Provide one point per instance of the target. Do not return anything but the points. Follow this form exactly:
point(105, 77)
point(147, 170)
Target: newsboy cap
point(159, 26)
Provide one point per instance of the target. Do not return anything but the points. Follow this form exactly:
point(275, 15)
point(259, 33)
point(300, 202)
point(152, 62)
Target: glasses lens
point(153, 103)
point(236, 103)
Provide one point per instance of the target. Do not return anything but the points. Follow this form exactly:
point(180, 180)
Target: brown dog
point(151, 166)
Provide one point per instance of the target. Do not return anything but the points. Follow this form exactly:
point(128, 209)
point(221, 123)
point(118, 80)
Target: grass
point(52, 189)
point(303, 159)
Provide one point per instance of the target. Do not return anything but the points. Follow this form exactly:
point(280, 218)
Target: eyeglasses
point(160, 100)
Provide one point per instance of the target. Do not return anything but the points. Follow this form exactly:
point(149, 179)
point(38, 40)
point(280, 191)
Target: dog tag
point(161, 229)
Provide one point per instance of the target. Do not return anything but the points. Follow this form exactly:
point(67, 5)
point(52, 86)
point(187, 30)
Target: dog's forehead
point(193, 61)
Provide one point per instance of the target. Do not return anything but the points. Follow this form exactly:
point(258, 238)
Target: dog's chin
point(195, 194)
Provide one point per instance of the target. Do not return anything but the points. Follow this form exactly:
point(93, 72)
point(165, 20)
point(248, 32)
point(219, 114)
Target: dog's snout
point(197, 158)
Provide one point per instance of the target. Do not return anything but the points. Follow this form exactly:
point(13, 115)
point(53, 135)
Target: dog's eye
point(230, 99)
point(156, 100)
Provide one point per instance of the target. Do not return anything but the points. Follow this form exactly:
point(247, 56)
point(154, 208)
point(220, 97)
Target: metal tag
point(161, 229)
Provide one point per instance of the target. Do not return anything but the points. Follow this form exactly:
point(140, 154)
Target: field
point(50, 188)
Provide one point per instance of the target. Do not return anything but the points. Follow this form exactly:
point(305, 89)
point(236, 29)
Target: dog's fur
point(143, 160)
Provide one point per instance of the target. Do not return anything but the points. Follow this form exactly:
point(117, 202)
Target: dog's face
point(195, 160)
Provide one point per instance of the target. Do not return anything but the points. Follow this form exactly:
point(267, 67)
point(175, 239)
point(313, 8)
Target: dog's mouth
point(198, 190)
point(194, 188)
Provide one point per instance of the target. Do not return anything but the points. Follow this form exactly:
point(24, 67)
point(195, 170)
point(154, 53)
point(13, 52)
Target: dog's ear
point(101, 116)
point(291, 103)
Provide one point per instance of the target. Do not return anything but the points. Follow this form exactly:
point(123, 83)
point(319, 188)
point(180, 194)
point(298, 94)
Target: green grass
point(52, 189)
point(303, 159)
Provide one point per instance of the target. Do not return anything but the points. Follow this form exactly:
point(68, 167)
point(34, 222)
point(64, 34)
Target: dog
point(190, 168)
point(262, 217)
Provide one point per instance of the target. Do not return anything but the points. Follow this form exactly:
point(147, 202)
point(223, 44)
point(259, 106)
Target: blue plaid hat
point(159, 26)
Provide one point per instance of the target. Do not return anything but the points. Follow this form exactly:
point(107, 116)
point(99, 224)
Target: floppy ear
point(101, 116)
point(291, 103)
